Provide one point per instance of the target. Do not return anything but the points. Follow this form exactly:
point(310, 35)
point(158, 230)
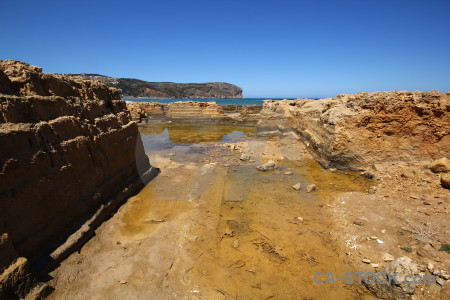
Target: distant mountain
point(135, 88)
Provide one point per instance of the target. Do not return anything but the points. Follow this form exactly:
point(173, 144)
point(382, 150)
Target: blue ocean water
point(241, 101)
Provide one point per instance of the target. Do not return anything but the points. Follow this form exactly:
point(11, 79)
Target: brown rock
point(68, 148)
point(297, 186)
point(311, 188)
point(445, 181)
point(440, 166)
point(358, 131)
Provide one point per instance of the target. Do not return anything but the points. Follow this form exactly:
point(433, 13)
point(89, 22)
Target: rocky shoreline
point(71, 155)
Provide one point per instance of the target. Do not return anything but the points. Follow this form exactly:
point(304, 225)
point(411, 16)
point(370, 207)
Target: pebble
point(373, 237)
point(422, 268)
point(288, 173)
point(297, 186)
point(388, 257)
point(268, 166)
point(374, 265)
point(123, 282)
point(383, 231)
point(299, 219)
point(430, 267)
point(311, 188)
point(440, 281)
point(244, 157)
point(366, 261)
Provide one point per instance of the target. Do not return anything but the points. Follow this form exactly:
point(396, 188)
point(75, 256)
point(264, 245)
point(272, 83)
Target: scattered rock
point(358, 221)
point(430, 267)
point(296, 220)
point(395, 290)
point(236, 244)
point(245, 157)
point(311, 188)
point(378, 167)
point(268, 166)
point(421, 268)
point(445, 181)
point(123, 282)
point(440, 166)
point(288, 173)
point(407, 174)
point(373, 237)
point(366, 261)
point(297, 186)
point(374, 265)
point(445, 275)
point(372, 190)
point(387, 257)
point(440, 281)
point(170, 154)
point(422, 252)
point(368, 175)
point(333, 170)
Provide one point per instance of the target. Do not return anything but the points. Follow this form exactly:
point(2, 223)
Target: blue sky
point(269, 48)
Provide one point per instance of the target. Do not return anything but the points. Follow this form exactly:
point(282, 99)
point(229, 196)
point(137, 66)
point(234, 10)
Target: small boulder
point(368, 175)
point(440, 166)
point(297, 186)
point(268, 166)
point(245, 157)
point(387, 257)
point(395, 289)
point(445, 181)
point(311, 188)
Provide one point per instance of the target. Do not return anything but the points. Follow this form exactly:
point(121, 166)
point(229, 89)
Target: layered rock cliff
point(69, 153)
point(358, 131)
point(198, 111)
point(134, 88)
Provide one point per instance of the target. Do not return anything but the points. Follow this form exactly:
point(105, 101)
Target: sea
point(220, 101)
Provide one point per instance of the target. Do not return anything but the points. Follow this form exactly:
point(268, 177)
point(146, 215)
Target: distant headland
point(136, 88)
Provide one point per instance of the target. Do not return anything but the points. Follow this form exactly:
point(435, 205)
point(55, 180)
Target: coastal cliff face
point(68, 148)
point(200, 111)
point(358, 131)
point(134, 88)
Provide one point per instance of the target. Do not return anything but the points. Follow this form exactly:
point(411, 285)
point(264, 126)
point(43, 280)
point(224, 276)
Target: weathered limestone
point(190, 110)
point(358, 131)
point(68, 149)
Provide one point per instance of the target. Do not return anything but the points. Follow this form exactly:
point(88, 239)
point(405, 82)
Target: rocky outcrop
point(134, 88)
point(69, 153)
point(357, 131)
point(190, 110)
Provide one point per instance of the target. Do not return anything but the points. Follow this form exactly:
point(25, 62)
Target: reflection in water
point(236, 228)
point(162, 137)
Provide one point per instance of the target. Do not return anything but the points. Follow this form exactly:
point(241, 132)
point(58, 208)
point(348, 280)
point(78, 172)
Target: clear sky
point(277, 48)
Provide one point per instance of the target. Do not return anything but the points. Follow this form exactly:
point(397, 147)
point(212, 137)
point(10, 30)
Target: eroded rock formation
point(191, 110)
point(69, 153)
point(357, 131)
